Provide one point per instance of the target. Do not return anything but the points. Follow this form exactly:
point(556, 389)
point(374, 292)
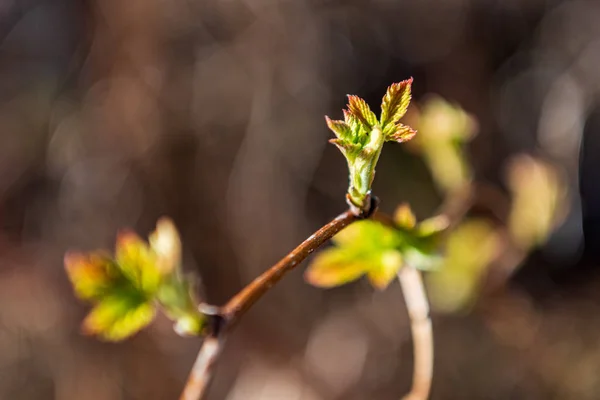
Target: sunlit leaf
point(470, 248)
point(433, 225)
point(126, 289)
point(401, 133)
point(339, 128)
point(360, 109)
point(360, 138)
point(334, 267)
point(137, 261)
point(365, 247)
point(91, 275)
point(394, 104)
point(165, 243)
point(119, 316)
point(443, 130)
point(382, 274)
point(404, 217)
point(539, 196)
point(367, 235)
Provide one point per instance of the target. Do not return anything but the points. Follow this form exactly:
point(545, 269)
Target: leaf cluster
point(360, 136)
point(127, 289)
point(369, 248)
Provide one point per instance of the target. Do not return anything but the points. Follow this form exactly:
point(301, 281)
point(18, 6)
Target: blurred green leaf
point(126, 289)
point(469, 250)
point(363, 248)
point(444, 128)
point(92, 275)
point(119, 315)
point(404, 217)
point(539, 200)
point(375, 250)
point(165, 243)
point(137, 262)
point(385, 270)
point(335, 267)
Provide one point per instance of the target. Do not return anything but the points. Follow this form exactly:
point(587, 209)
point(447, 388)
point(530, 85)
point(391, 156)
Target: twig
point(240, 303)
point(418, 311)
point(228, 315)
point(202, 369)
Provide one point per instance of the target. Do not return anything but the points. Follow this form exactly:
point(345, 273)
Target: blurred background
point(114, 113)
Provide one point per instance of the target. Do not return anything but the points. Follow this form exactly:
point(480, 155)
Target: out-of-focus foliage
point(116, 112)
point(469, 250)
point(360, 136)
point(378, 251)
point(126, 290)
point(443, 130)
point(538, 200)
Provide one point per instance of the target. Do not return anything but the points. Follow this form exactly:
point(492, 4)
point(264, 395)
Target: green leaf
point(539, 200)
point(386, 269)
point(360, 138)
point(365, 247)
point(360, 109)
point(348, 149)
point(91, 275)
point(443, 130)
point(334, 267)
point(394, 104)
point(400, 133)
point(118, 316)
point(469, 250)
point(166, 244)
point(137, 262)
point(367, 235)
point(404, 217)
point(340, 128)
point(432, 226)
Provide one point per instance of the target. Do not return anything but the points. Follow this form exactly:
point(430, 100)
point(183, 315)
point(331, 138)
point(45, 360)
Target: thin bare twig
point(240, 303)
point(422, 332)
point(202, 370)
point(228, 315)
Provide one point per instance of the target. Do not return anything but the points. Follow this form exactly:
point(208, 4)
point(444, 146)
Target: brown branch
point(240, 303)
point(224, 318)
point(422, 332)
point(202, 370)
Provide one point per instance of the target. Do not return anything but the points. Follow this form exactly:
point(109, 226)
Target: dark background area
point(114, 113)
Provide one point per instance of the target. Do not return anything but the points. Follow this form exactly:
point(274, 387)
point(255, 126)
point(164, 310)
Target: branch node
point(363, 212)
point(217, 322)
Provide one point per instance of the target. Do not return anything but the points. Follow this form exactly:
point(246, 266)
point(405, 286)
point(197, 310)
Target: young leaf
point(179, 303)
point(469, 250)
point(137, 262)
point(539, 194)
point(443, 130)
point(334, 267)
point(90, 275)
point(340, 128)
point(119, 316)
point(394, 104)
point(165, 242)
point(360, 138)
point(433, 226)
point(400, 133)
point(365, 247)
point(126, 289)
point(360, 109)
point(389, 263)
point(404, 217)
